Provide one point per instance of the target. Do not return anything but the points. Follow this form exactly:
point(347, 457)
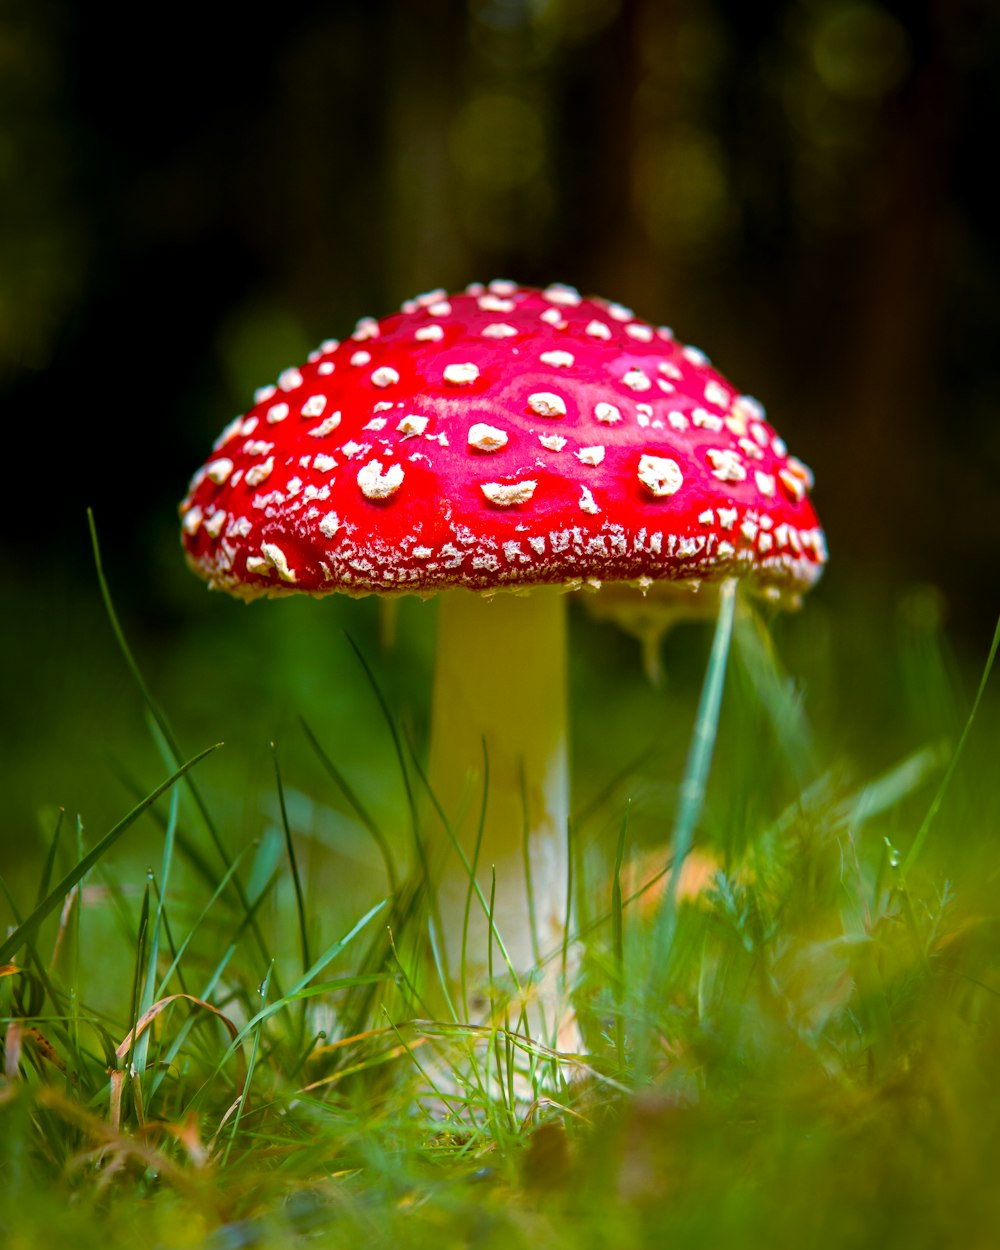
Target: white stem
point(500, 678)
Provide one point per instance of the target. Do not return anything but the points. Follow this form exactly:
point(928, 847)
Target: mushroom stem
point(500, 683)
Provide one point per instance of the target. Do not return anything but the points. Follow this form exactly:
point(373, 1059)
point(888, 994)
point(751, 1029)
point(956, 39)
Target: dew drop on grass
point(150, 874)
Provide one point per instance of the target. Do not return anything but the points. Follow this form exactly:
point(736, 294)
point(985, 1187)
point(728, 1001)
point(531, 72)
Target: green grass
point(214, 1005)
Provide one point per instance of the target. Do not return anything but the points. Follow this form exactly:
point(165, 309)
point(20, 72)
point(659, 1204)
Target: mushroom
point(503, 440)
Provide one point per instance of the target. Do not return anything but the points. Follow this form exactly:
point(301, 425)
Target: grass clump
point(791, 1038)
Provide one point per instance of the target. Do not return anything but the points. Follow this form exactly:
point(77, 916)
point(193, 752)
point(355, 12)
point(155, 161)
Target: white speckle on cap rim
point(277, 412)
point(360, 358)
point(640, 331)
point(750, 448)
point(587, 502)
point(259, 472)
point(492, 303)
point(765, 482)
point(263, 393)
point(376, 484)
point(552, 442)
point(716, 393)
point(385, 376)
point(660, 475)
point(620, 312)
point(507, 495)
point(800, 470)
point(498, 330)
point(325, 368)
point(592, 456)
point(192, 520)
point(485, 437)
point(277, 559)
point(793, 484)
point(440, 308)
point(553, 317)
point(607, 413)
point(411, 425)
point(232, 429)
point(695, 355)
point(705, 420)
point(557, 359)
point(219, 470)
point(636, 380)
point(598, 330)
point(726, 465)
point(330, 524)
point(326, 426)
point(429, 334)
point(546, 404)
point(560, 293)
point(313, 407)
point(213, 525)
point(290, 379)
point(461, 374)
point(367, 328)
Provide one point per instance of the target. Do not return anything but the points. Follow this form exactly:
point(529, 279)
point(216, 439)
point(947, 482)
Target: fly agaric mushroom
point(503, 439)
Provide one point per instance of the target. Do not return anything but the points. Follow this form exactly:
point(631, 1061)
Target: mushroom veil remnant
point(511, 440)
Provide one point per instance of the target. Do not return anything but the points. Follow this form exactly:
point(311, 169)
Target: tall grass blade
point(359, 809)
point(301, 985)
point(163, 725)
point(397, 743)
point(692, 792)
point(956, 755)
point(50, 859)
point(251, 1066)
point(300, 905)
point(25, 932)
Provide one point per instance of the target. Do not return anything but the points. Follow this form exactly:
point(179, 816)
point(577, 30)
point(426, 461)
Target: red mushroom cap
point(503, 437)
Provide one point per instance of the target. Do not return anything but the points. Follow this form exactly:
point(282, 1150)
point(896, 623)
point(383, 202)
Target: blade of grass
point(26, 932)
point(618, 938)
point(146, 998)
point(956, 755)
point(163, 725)
point(397, 743)
point(467, 867)
point(50, 859)
point(300, 906)
point(529, 884)
point(251, 1065)
point(378, 837)
point(691, 798)
point(295, 992)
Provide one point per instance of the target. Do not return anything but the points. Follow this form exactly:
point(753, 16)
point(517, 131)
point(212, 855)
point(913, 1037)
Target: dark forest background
point(191, 197)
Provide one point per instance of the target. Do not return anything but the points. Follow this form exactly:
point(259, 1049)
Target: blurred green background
point(191, 198)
